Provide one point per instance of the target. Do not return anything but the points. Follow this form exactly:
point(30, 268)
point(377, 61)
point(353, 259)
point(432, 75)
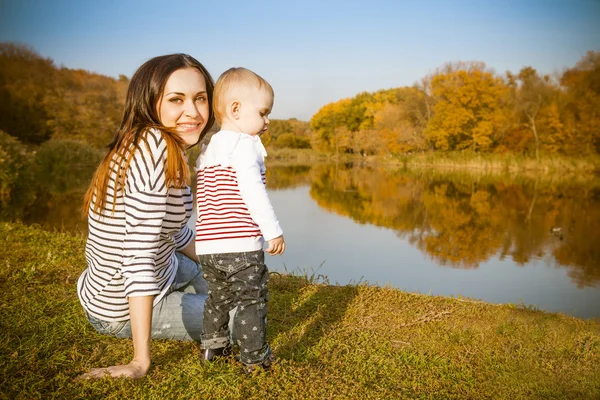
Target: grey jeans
point(179, 313)
point(237, 280)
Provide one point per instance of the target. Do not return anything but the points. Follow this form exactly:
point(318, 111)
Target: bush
point(292, 141)
point(15, 163)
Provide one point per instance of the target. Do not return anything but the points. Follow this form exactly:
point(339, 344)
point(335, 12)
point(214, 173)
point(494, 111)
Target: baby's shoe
point(208, 355)
point(265, 365)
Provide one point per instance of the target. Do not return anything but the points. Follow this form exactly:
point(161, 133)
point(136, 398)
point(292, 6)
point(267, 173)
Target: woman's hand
point(133, 370)
point(140, 317)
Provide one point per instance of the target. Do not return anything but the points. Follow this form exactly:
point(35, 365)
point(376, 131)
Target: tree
point(26, 81)
point(290, 133)
point(41, 101)
point(582, 110)
point(324, 123)
point(396, 131)
point(418, 107)
point(531, 96)
point(468, 108)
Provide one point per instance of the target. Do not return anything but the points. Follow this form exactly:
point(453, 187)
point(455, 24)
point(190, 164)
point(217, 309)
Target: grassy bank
point(499, 162)
point(467, 160)
point(350, 342)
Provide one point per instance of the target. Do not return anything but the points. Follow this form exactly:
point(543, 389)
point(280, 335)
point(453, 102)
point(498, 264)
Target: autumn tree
point(370, 123)
point(468, 108)
point(290, 133)
point(534, 100)
point(85, 106)
point(325, 122)
point(418, 107)
point(41, 101)
point(582, 111)
point(400, 123)
point(26, 82)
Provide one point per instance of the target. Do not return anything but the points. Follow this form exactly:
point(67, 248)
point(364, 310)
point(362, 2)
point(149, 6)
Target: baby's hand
point(276, 246)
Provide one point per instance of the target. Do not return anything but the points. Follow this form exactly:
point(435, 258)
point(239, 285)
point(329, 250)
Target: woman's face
point(184, 104)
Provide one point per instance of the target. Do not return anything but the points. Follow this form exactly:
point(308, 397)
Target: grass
point(291, 156)
point(342, 342)
point(457, 160)
point(509, 162)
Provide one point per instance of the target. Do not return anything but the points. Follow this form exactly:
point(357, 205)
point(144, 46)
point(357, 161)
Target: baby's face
point(254, 111)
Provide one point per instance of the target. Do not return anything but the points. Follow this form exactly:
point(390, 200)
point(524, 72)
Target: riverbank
point(476, 162)
point(347, 342)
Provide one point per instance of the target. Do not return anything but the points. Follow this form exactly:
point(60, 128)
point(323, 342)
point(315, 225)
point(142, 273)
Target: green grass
point(342, 342)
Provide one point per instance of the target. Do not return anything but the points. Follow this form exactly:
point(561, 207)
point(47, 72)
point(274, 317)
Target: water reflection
point(472, 224)
point(461, 220)
point(51, 199)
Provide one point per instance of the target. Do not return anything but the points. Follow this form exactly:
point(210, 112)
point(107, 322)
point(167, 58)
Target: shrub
point(15, 162)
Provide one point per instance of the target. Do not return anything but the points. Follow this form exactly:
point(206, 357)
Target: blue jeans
point(179, 313)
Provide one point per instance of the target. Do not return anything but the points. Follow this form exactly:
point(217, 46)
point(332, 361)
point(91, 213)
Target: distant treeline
point(467, 106)
point(41, 101)
point(461, 106)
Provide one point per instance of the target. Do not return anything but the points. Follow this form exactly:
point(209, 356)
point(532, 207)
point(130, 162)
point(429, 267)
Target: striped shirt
point(132, 252)
point(234, 210)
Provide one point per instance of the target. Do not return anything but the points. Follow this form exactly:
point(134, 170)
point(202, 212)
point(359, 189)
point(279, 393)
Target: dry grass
point(511, 163)
point(465, 160)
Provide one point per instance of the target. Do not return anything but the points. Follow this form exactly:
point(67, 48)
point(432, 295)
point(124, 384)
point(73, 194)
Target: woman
point(141, 281)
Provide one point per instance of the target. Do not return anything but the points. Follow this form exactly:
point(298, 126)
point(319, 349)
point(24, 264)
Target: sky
point(312, 52)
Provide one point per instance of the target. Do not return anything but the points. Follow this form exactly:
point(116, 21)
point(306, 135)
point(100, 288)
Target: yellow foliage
point(468, 109)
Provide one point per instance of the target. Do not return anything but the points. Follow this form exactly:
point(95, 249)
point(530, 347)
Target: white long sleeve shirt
point(234, 210)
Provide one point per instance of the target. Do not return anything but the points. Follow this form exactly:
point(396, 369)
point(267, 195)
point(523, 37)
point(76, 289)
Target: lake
point(499, 238)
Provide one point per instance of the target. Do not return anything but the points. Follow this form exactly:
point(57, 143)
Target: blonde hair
point(235, 79)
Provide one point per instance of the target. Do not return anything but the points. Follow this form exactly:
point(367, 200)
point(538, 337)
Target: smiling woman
point(142, 274)
point(184, 104)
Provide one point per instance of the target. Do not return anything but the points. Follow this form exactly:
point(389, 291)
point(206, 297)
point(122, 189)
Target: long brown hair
point(140, 114)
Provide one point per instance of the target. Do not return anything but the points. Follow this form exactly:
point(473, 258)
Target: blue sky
point(312, 52)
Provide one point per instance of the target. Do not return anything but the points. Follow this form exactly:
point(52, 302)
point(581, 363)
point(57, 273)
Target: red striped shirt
point(222, 213)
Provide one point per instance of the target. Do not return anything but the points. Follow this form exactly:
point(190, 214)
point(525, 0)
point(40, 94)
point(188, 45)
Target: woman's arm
point(190, 251)
point(140, 312)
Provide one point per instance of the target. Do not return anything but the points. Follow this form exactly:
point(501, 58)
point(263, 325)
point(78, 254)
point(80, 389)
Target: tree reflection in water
point(458, 220)
point(461, 220)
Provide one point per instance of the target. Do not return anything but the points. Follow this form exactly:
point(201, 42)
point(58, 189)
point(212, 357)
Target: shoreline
point(494, 163)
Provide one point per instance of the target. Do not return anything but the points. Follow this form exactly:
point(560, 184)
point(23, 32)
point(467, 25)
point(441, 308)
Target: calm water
point(500, 239)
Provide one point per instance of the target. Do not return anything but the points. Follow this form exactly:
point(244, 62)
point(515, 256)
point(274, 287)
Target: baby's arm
point(246, 163)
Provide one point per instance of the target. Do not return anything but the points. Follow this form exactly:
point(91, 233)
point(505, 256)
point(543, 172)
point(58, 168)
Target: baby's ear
point(235, 108)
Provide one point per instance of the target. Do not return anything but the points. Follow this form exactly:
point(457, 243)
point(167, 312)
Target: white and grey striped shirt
point(132, 252)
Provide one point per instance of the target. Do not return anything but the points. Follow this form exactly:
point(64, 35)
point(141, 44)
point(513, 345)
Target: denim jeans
point(179, 313)
point(237, 279)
